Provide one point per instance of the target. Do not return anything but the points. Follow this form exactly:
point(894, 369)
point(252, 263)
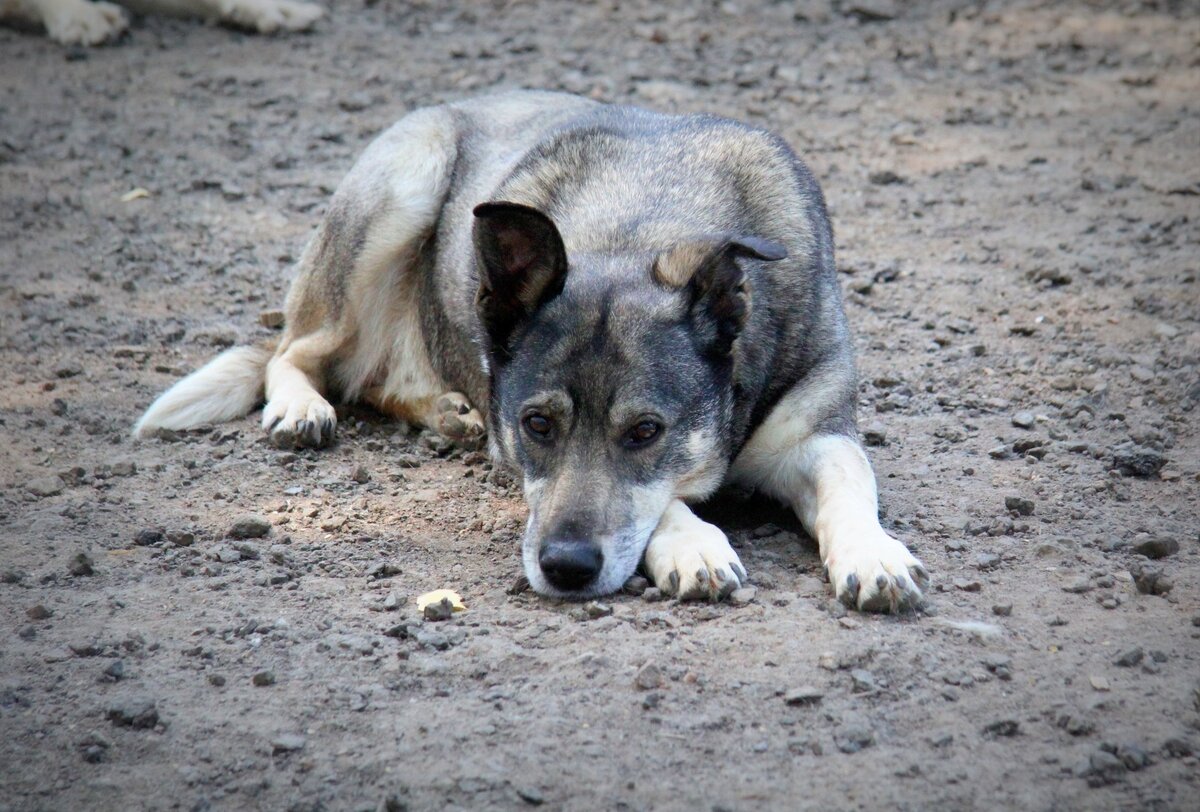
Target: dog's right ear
point(522, 265)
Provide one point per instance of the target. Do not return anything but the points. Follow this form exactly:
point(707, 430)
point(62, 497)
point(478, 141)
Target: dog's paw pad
point(693, 561)
point(269, 16)
point(877, 574)
point(458, 420)
point(304, 422)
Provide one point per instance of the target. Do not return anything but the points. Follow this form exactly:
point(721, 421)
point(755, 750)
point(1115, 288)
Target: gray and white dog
point(635, 308)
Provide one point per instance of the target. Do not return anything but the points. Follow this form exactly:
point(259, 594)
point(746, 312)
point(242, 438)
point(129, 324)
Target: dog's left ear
point(522, 265)
point(715, 283)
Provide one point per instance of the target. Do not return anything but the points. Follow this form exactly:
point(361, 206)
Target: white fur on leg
point(829, 483)
point(690, 558)
point(227, 387)
point(72, 22)
point(296, 414)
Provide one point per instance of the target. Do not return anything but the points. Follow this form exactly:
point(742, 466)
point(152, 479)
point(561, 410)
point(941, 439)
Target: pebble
point(216, 680)
point(287, 743)
point(1157, 547)
point(653, 595)
point(648, 677)
point(874, 434)
point(1019, 505)
point(596, 609)
point(1150, 580)
point(1129, 658)
point(853, 735)
point(391, 602)
point(1078, 585)
point(803, 696)
point(1099, 683)
point(1002, 609)
point(38, 612)
point(138, 713)
point(1024, 420)
point(361, 475)
point(81, 565)
point(115, 670)
point(1100, 769)
point(250, 526)
point(1002, 727)
point(45, 486)
point(743, 596)
point(439, 610)
point(987, 561)
point(181, 538)
point(863, 680)
point(147, 537)
point(263, 679)
point(1138, 461)
point(636, 585)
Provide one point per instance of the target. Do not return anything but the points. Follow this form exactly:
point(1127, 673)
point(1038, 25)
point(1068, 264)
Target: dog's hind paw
point(458, 420)
point(876, 574)
point(305, 421)
point(692, 559)
point(83, 23)
point(269, 16)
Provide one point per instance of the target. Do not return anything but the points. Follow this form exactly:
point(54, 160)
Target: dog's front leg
point(831, 486)
point(689, 558)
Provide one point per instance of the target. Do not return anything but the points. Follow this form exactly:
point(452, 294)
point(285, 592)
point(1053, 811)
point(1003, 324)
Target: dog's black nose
point(570, 565)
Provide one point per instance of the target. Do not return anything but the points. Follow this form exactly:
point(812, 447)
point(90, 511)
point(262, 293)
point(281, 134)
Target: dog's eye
point(538, 425)
point(642, 434)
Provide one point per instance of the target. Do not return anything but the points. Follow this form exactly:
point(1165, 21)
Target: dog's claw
point(877, 574)
point(673, 580)
point(691, 559)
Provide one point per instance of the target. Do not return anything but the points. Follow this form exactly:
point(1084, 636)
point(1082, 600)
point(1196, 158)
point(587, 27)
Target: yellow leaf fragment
point(437, 595)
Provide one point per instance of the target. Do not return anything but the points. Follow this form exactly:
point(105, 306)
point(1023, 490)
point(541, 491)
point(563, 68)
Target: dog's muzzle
point(569, 564)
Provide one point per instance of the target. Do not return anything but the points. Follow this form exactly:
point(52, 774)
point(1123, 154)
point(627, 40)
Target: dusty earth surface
point(1014, 188)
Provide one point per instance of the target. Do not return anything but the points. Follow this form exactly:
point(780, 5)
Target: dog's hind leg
point(352, 322)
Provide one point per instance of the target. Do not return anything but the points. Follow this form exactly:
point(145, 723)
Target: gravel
point(139, 713)
point(250, 526)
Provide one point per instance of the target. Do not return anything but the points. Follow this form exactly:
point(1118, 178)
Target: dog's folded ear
point(708, 271)
point(522, 265)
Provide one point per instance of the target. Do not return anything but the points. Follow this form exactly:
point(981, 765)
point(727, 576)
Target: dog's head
point(612, 385)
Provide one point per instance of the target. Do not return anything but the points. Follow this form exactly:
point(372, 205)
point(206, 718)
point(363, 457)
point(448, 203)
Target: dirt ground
point(1014, 189)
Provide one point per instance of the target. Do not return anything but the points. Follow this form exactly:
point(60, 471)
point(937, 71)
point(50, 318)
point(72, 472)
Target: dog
point(635, 308)
point(83, 22)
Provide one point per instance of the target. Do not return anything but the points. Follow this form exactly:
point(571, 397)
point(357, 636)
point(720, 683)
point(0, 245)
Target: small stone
point(648, 677)
point(803, 696)
point(596, 610)
point(1099, 683)
point(636, 585)
point(848, 623)
point(530, 795)
point(216, 680)
point(1138, 461)
point(863, 680)
point(115, 670)
point(1129, 658)
point(968, 585)
point(250, 526)
point(1002, 727)
point(391, 602)
point(81, 565)
point(1002, 609)
point(38, 612)
point(987, 561)
point(138, 713)
point(263, 679)
point(287, 743)
point(885, 177)
point(1157, 547)
point(271, 319)
point(743, 596)
point(181, 538)
point(1019, 505)
point(1078, 585)
point(45, 486)
point(147, 537)
point(438, 610)
point(1150, 580)
point(871, 11)
point(875, 434)
point(519, 586)
point(1133, 757)
point(1024, 420)
point(653, 595)
point(853, 735)
point(361, 475)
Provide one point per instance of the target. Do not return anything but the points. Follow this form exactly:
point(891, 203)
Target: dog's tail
point(227, 387)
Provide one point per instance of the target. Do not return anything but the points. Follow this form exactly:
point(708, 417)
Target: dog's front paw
point(301, 421)
point(874, 572)
point(269, 16)
point(458, 420)
point(690, 558)
point(82, 23)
